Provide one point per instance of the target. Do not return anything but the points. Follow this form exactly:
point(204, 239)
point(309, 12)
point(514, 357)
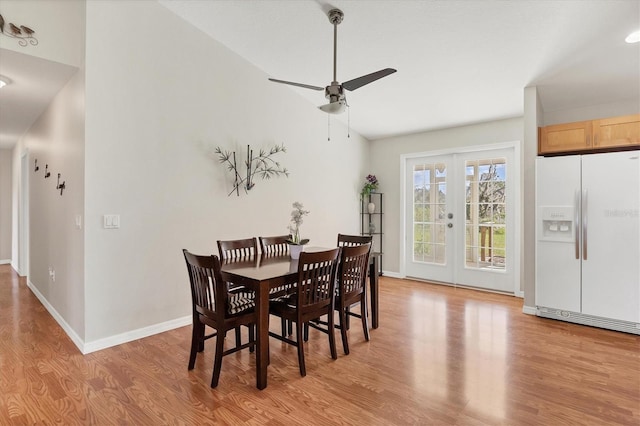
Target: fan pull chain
point(348, 121)
point(328, 127)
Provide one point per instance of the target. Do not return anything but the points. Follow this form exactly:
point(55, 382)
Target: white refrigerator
point(588, 239)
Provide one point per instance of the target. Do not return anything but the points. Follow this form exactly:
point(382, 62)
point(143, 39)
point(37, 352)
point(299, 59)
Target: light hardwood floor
point(442, 356)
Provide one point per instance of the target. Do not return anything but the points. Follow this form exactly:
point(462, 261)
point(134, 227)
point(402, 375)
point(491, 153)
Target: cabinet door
point(617, 132)
point(569, 137)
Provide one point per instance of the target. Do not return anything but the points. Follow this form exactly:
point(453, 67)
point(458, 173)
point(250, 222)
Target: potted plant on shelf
point(296, 243)
point(370, 185)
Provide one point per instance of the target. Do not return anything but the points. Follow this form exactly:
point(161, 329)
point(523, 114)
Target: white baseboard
point(529, 310)
point(56, 316)
point(5, 261)
point(107, 342)
point(392, 274)
point(140, 333)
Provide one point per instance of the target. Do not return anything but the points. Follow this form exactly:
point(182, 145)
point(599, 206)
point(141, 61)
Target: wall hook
point(60, 186)
point(37, 168)
point(47, 173)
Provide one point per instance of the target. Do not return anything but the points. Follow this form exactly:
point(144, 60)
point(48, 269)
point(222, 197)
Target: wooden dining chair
point(353, 240)
point(277, 246)
point(237, 249)
point(350, 289)
point(350, 241)
point(314, 297)
point(214, 306)
point(274, 245)
point(233, 249)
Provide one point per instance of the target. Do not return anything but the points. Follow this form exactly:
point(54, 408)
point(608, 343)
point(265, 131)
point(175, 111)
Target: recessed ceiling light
point(4, 81)
point(634, 37)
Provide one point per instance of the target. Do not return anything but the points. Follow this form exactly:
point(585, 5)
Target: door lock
point(449, 225)
point(450, 215)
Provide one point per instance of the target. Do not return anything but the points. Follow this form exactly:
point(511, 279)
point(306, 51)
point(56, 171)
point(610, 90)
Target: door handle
point(576, 225)
point(584, 224)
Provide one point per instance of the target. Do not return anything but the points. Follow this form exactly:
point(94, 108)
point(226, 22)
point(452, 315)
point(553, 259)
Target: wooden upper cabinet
point(565, 137)
point(617, 131)
point(594, 135)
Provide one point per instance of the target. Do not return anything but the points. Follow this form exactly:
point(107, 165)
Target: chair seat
point(240, 303)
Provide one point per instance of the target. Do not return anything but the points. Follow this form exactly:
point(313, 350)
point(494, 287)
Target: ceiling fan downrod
point(335, 17)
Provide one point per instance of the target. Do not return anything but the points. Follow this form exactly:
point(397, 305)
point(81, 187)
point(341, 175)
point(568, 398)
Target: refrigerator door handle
point(584, 224)
point(576, 225)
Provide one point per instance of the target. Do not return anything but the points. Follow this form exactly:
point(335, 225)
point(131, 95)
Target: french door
point(460, 218)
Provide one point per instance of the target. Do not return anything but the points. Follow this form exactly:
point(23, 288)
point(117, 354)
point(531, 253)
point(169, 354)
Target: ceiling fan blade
point(306, 86)
point(366, 79)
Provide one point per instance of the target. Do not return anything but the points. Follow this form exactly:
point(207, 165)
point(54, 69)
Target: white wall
point(385, 164)
point(158, 100)
point(5, 205)
point(532, 121)
point(592, 112)
point(58, 26)
point(57, 139)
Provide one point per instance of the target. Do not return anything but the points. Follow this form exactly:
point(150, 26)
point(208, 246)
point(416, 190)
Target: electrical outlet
point(52, 274)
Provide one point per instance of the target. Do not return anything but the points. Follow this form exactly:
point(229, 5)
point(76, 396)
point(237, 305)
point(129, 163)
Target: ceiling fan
point(335, 91)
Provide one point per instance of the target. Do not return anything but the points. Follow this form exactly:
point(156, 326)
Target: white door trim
point(23, 215)
point(517, 179)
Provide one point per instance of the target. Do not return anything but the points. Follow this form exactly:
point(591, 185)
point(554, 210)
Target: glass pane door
point(429, 204)
point(485, 213)
point(460, 219)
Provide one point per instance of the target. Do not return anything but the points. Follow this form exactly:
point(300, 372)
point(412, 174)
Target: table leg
point(262, 352)
point(373, 293)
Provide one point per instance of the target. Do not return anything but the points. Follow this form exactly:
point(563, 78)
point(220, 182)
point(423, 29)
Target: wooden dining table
point(262, 273)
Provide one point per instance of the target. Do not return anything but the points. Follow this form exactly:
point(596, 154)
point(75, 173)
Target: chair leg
point(283, 327)
point(252, 337)
point(364, 312)
point(306, 332)
point(238, 337)
point(217, 361)
point(331, 332)
point(290, 323)
point(343, 331)
point(300, 340)
point(348, 323)
point(197, 340)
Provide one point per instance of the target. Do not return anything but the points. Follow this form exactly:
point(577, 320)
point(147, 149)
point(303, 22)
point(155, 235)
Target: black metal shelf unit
point(371, 221)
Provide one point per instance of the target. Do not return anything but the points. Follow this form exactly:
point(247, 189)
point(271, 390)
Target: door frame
point(23, 216)
point(517, 183)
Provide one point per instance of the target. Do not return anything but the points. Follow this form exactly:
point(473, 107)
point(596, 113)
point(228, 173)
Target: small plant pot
point(295, 250)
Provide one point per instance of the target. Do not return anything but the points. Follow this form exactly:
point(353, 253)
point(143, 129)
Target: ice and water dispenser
point(556, 223)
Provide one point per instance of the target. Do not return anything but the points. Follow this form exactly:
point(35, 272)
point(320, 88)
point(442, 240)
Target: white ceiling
point(34, 83)
point(458, 62)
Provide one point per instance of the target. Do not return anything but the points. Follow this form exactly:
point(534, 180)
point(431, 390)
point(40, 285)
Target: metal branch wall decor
point(262, 165)
point(23, 33)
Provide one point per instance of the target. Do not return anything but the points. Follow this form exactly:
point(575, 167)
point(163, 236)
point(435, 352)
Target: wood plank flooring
point(442, 356)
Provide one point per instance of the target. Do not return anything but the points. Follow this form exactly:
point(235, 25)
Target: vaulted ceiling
point(458, 62)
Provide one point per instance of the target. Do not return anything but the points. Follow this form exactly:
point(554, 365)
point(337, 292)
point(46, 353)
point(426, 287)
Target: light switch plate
point(111, 221)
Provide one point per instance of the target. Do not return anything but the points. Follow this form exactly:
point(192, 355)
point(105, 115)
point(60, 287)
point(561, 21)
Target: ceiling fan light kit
point(334, 92)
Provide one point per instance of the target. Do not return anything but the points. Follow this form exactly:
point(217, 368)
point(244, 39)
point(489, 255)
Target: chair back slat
point(316, 278)
point(274, 245)
point(353, 240)
point(208, 296)
point(352, 272)
point(233, 249)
